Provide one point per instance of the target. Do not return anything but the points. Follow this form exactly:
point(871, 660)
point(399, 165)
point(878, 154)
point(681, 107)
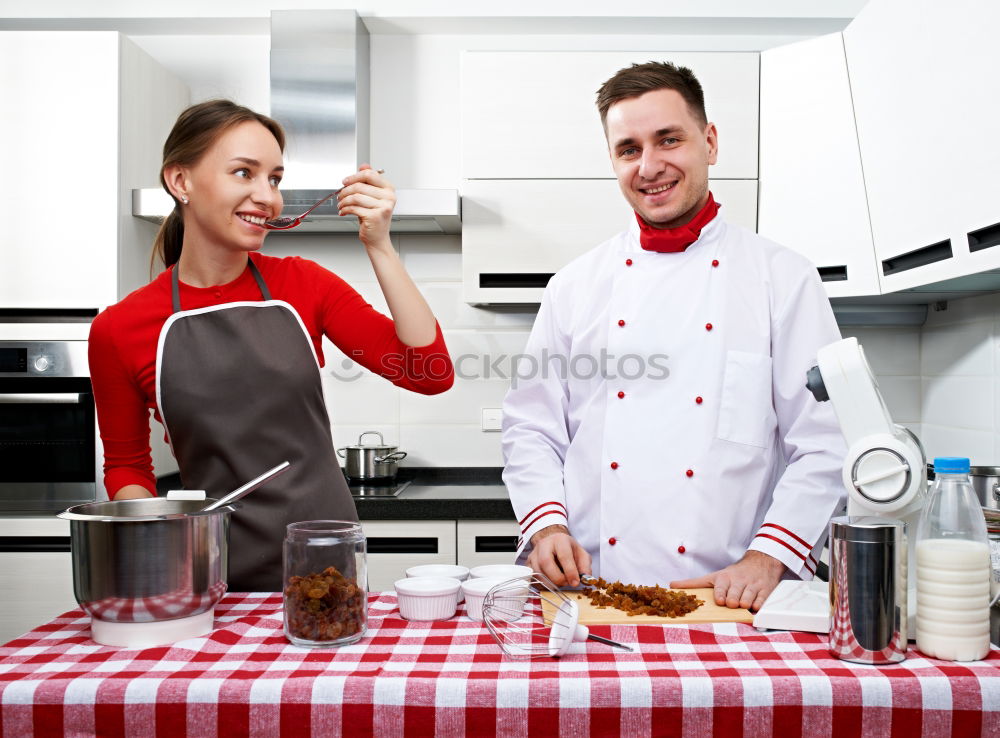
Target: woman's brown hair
point(196, 129)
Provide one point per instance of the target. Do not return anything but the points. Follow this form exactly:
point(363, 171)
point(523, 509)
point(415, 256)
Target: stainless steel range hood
point(320, 94)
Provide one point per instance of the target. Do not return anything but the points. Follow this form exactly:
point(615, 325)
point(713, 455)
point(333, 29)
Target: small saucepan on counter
point(371, 463)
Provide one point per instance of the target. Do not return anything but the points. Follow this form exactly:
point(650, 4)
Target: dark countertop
point(434, 493)
point(438, 501)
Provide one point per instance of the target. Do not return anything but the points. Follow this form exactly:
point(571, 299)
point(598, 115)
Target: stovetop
point(367, 491)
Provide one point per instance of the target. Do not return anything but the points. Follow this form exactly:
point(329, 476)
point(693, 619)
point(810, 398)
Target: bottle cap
point(951, 465)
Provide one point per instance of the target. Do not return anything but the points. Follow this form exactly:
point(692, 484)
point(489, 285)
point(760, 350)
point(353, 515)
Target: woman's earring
point(184, 200)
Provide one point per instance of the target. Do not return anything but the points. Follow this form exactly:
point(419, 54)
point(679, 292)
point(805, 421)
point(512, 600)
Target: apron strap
point(175, 284)
point(175, 289)
point(264, 291)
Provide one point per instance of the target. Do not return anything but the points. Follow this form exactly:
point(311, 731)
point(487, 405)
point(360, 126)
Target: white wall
point(959, 372)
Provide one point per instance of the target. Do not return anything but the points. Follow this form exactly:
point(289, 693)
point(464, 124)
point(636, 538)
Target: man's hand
point(557, 555)
point(747, 583)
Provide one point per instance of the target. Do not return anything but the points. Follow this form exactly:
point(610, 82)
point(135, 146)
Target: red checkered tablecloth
point(450, 678)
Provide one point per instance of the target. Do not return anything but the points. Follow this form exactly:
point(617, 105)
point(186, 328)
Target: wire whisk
point(549, 634)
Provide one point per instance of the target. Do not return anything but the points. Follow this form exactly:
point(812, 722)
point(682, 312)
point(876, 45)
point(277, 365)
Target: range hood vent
point(320, 95)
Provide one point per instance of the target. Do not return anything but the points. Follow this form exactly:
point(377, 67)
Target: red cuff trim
point(527, 527)
point(811, 569)
point(793, 536)
point(521, 521)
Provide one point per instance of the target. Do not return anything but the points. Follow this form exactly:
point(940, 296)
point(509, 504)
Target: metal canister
point(868, 571)
point(993, 533)
point(986, 481)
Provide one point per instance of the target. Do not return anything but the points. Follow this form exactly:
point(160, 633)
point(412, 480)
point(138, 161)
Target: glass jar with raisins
point(325, 583)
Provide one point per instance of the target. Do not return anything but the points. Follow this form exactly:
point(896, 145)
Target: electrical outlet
point(492, 418)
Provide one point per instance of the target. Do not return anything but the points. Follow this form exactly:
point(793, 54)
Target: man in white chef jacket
point(660, 430)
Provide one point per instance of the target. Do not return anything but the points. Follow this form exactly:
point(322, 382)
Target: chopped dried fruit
point(638, 600)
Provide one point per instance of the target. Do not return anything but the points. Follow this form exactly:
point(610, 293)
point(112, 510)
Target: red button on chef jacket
point(708, 326)
point(612, 541)
point(681, 549)
point(614, 464)
point(621, 323)
point(698, 399)
point(690, 472)
point(621, 395)
point(715, 262)
point(628, 262)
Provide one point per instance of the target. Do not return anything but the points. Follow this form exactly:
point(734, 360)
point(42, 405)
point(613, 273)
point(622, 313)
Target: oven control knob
point(42, 363)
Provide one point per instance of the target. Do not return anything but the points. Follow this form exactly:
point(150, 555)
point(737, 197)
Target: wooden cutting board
point(707, 613)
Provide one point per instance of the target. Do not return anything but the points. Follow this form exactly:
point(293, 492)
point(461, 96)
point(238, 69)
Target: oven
point(48, 435)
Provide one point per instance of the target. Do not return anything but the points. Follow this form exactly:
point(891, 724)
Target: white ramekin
point(427, 598)
point(509, 607)
point(452, 571)
point(501, 571)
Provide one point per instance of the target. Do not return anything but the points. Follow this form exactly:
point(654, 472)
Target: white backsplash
point(938, 380)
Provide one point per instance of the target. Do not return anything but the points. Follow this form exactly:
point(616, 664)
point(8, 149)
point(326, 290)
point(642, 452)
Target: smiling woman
point(225, 345)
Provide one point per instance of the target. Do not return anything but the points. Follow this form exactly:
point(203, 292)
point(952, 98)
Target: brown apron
point(239, 391)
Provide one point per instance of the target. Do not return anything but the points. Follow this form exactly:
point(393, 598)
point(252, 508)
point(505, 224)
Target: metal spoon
point(249, 486)
point(284, 224)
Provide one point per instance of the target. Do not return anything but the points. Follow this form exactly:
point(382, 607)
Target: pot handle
point(342, 453)
point(996, 491)
point(368, 433)
point(394, 456)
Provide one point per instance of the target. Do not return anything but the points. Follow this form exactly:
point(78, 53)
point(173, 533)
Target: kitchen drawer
point(395, 546)
point(37, 586)
point(482, 542)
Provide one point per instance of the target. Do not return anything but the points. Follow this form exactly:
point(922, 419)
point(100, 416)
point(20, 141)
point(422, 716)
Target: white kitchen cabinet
point(517, 233)
point(812, 189)
point(87, 118)
point(531, 114)
point(927, 100)
point(37, 584)
point(483, 542)
point(396, 545)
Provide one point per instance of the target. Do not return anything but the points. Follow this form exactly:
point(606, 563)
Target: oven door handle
point(35, 398)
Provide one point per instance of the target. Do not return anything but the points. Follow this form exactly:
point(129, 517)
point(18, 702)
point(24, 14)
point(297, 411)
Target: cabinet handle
point(496, 544)
point(48, 315)
point(36, 544)
point(833, 274)
point(984, 238)
point(513, 280)
point(402, 545)
point(40, 398)
point(921, 257)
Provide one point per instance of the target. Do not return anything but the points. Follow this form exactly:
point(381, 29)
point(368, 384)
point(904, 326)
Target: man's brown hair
point(639, 79)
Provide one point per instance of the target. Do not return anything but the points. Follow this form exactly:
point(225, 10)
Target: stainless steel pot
point(148, 560)
point(986, 482)
point(371, 462)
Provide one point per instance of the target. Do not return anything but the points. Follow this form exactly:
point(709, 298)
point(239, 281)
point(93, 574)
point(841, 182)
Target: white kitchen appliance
point(885, 473)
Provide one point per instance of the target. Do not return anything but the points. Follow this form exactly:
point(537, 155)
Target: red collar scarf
point(672, 240)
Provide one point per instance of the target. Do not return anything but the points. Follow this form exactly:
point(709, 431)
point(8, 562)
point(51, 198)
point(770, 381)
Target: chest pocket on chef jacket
point(746, 410)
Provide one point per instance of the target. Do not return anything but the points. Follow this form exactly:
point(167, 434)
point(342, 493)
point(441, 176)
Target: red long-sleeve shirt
point(123, 342)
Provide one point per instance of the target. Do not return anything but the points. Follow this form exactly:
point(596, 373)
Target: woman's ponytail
point(169, 240)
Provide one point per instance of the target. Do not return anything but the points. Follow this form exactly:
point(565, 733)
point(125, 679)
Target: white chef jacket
point(661, 413)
